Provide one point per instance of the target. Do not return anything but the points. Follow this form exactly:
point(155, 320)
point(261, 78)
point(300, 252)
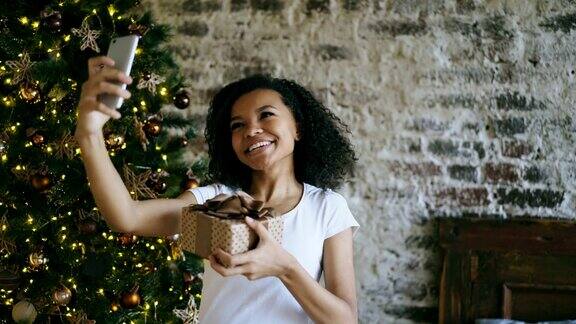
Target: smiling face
point(263, 130)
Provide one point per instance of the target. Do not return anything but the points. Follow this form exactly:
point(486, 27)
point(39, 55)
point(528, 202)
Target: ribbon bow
point(234, 206)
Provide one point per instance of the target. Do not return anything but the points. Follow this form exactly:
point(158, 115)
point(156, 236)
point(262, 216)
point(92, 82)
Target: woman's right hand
point(92, 114)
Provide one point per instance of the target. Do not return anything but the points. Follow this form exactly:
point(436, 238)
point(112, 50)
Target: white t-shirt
point(319, 215)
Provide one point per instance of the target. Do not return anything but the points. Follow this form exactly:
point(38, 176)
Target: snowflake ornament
point(190, 314)
point(21, 68)
point(88, 36)
point(150, 81)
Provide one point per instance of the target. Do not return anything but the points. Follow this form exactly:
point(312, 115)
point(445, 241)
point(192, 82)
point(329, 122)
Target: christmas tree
point(59, 260)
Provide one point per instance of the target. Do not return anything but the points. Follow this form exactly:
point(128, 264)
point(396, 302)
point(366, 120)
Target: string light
point(23, 20)
point(8, 101)
point(111, 10)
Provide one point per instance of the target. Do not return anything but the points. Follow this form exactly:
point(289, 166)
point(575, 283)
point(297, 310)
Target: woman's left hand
point(267, 259)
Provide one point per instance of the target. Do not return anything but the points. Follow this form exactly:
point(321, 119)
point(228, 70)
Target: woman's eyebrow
point(257, 110)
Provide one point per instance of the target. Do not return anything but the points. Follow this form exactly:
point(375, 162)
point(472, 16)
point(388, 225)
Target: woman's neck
point(268, 188)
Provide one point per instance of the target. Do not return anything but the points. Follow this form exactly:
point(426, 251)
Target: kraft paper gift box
point(219, 223)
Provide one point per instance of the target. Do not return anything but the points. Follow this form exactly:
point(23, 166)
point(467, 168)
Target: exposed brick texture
point(531, 198)
point(463, 172)
point(516, 149)
point(462, 197)
point(461, 108)
point(500, 172)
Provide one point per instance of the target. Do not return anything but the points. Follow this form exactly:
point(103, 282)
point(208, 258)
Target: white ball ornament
point(24, 312)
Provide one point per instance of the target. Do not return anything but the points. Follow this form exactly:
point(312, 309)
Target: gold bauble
point(127, 239)
point(115, 306)
point(114, 141)
point(30, 93)
point(38, 139)
point(152, 127)
point(62, 295)
point(37, 260)
point(130, 299)
point(175, 251)
point(189, 183)
point(24, 312)
point(40, 182)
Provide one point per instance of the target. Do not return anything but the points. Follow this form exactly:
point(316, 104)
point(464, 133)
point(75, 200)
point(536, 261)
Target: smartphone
point(122, 51)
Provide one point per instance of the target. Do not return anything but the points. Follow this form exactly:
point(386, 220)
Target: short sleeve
point(208, 192)
point(340, 217)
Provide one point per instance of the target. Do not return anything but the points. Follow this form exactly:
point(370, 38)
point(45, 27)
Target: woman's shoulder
point(323, 195)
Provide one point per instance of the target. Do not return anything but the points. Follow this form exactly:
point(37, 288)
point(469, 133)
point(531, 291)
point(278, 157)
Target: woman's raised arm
point(154, 217)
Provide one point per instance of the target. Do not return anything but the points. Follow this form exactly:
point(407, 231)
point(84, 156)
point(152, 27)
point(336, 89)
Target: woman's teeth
point(257, 146)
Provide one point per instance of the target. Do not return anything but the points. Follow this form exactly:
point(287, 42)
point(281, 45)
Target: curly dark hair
point(322, 157)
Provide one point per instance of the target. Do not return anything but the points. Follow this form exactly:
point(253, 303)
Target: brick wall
point(457, 108)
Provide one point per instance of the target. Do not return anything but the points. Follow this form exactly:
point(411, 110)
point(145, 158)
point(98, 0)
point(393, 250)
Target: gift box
point(219, 223)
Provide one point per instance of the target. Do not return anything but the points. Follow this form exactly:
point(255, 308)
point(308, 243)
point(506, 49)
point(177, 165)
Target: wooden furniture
point(520, 269)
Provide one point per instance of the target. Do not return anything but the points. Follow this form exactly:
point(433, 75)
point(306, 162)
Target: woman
point(272, 139)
